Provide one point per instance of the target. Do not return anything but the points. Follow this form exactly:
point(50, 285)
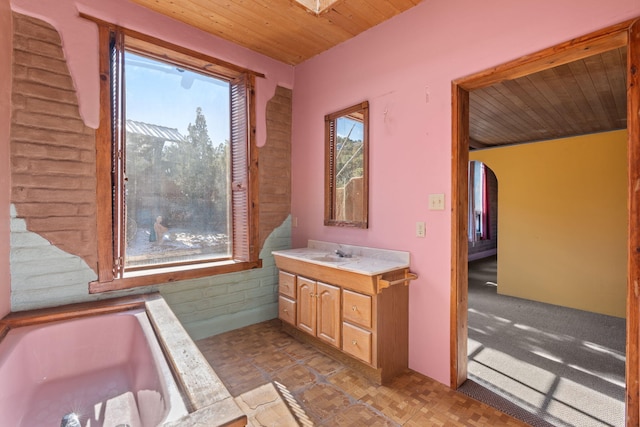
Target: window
point(479, 220)
point(177, 175)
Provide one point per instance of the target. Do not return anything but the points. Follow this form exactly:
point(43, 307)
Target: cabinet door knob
point(354, 342)
point(354, 308)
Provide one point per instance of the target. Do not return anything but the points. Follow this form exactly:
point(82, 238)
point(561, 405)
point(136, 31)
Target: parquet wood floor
point(333, 394)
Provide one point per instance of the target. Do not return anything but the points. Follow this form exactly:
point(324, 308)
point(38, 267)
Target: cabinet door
point(306, 305)
point(328, 313)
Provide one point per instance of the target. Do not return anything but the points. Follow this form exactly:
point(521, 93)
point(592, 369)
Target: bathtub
point(109, 369)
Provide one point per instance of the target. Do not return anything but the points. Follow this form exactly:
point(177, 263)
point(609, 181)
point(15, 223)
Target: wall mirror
point(346, 167)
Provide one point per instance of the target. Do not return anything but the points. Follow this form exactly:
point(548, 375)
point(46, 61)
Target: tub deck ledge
point(211, 403)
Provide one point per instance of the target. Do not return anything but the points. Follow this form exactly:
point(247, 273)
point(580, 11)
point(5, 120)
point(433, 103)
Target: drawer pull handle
point(285, 310)
point(354, 342)
point(354, 308)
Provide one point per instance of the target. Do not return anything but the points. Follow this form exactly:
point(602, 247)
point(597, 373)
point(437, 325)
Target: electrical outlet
point(436, 202)
point(421, 229)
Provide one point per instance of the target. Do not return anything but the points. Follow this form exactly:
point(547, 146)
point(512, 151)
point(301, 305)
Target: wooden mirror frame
point(330, 190)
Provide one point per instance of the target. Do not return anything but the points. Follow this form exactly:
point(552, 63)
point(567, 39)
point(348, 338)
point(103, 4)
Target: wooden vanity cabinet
point(368, 330)
point(319, 310)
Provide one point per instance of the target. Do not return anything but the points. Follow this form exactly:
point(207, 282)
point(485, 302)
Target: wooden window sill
point(174, 274)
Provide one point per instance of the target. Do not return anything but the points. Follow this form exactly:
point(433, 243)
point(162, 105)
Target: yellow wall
point(562, 221)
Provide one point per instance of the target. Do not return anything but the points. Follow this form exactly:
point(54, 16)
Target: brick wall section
point(52, 151)
point(275, 164)
point(43, 275)
point(217, 304)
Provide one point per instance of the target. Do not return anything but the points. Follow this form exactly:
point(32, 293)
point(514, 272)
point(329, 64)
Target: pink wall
point(404, 68)
point(5, 120)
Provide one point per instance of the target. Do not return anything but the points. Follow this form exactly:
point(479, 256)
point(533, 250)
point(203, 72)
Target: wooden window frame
point(244, 168)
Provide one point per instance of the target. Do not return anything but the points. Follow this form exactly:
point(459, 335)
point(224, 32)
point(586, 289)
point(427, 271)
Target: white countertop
point(363, 260)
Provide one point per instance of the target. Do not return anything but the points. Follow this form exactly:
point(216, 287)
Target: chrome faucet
point(70, 420)
point(342, 254)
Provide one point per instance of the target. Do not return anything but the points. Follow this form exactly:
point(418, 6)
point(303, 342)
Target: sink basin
point(331, 258)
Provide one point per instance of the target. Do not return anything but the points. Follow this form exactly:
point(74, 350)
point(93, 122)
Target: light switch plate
point(421, 229)
point(436, 202)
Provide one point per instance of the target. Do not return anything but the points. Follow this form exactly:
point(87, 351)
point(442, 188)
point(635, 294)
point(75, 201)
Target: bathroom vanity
point(354, 306)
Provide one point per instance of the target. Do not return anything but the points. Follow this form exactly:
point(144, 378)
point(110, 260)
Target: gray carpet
point(565, 366)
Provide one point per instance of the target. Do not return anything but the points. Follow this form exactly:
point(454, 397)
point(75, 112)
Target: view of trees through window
point(177, 189)
point(349, 144)
point(349, 168)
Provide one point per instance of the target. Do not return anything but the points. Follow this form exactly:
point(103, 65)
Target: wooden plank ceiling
point(281, 29)
point(581, 97)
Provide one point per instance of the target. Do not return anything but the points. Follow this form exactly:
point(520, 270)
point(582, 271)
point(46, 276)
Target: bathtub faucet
point(70, 420)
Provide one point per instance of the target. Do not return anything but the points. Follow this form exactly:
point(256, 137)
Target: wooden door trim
point(459, 240)
point(633, 238)
point(624, 34)
point(573, 50)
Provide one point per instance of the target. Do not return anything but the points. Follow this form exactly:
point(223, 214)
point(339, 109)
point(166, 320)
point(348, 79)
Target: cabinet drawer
point(287, 310)
point(356, 308)
point(357, 342)
point(287, 284)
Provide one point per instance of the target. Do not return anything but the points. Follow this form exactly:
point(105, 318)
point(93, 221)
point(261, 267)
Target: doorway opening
point(558, 251)
point(620, 36)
